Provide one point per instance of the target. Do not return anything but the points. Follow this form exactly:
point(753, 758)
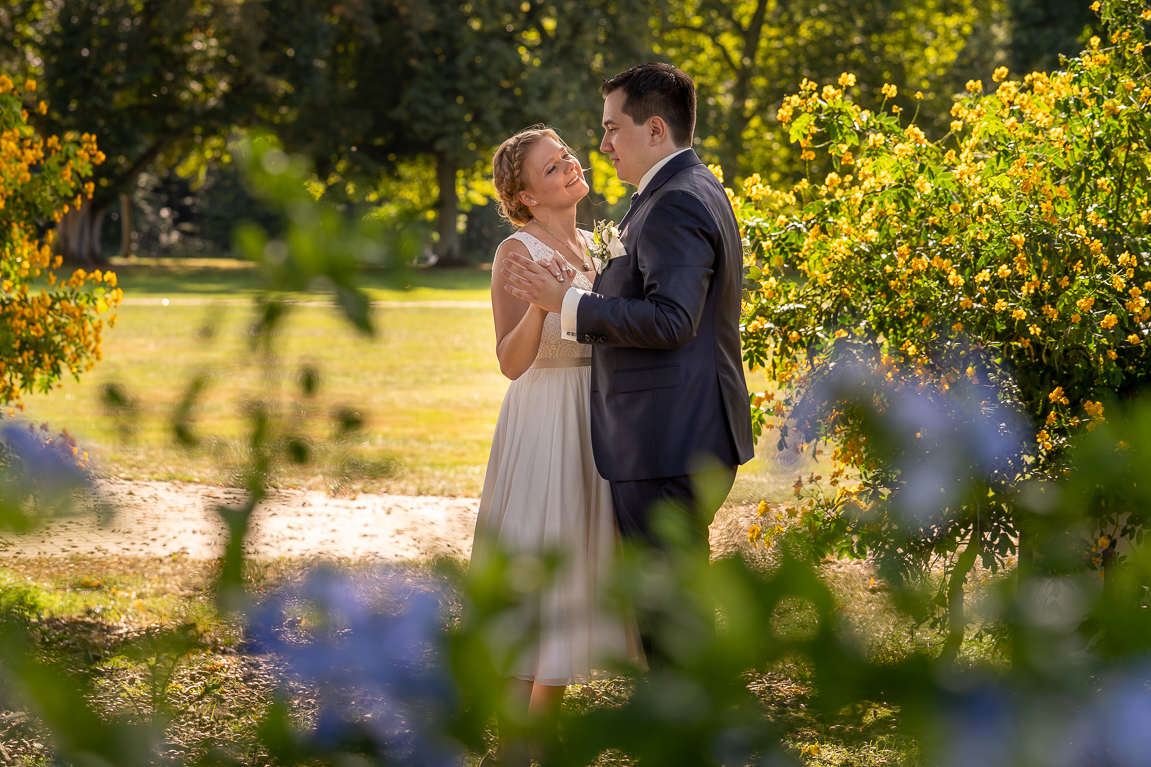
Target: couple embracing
point(628, 392)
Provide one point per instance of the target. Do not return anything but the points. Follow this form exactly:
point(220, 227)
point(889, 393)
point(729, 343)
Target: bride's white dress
point(543, 496)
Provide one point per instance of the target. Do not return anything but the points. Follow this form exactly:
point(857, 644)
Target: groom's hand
point(535, 282)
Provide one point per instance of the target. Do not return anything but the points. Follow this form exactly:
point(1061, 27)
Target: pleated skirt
point(544, 501)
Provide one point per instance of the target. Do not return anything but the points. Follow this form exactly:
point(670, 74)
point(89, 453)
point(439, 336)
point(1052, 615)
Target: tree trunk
point(448, 248)
point(78, 235)
point(957, 620)
point(127, 246)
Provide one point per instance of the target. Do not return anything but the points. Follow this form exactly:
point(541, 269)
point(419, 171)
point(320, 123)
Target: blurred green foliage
point(1065, 682)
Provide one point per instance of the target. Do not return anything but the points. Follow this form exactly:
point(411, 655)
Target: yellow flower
point(974, 85)
point(1003, 271)
point(999, 75)
point(717, 171)
point(1056, 394)
point(1085, 304)
point(847, 80)
point(1109, 321)
point(753, 533)
point(1019, 314)
point(1134, 339)
point(1075, 318)
point(889, 91)
point(1035, 331)
point(832, 180)
point(1000, 305)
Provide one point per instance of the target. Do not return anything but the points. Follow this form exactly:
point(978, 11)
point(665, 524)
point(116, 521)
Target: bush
point(55, 330)
point(1010, 260)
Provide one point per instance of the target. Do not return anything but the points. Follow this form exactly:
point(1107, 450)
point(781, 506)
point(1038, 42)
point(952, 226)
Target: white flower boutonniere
point(606, 243)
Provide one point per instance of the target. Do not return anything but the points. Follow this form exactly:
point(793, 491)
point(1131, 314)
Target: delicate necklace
point(586, 265)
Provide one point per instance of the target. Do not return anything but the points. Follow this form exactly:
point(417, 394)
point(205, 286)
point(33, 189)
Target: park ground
point(400, 492)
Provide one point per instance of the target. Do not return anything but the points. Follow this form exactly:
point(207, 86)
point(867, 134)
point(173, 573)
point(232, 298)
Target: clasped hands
point(541, 283)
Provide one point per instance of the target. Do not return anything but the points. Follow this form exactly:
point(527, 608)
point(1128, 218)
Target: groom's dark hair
point(658, 89)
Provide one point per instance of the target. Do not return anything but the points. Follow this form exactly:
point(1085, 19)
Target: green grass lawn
point(427, 384)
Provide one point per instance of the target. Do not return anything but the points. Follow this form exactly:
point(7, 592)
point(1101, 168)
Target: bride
point(542, 493)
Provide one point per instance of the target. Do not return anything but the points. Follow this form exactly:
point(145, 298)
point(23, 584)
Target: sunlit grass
point(427, 384)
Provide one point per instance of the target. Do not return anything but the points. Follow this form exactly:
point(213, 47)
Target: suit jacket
point(667, 372)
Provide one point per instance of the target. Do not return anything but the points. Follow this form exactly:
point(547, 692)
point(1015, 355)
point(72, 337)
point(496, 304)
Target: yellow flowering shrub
point(50, 324)
point(1010, 259)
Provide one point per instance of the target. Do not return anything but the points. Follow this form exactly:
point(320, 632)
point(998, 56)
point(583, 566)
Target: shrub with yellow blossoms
point(50, 325)
point(1010, 259)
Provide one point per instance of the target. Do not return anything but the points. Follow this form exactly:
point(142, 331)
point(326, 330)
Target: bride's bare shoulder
point(513, 244)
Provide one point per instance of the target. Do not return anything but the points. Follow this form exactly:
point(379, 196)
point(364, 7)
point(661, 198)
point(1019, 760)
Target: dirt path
point(165, 518)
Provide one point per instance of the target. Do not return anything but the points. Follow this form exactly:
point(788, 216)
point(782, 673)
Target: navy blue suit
point(668, 389)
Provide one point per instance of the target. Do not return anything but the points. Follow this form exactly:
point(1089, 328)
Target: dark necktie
point(629, 210)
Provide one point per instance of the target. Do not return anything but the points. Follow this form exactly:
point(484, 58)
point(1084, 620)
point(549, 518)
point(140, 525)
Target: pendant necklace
point(586, 265)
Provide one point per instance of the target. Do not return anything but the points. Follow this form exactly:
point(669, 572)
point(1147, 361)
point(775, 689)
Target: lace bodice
point(552, 345)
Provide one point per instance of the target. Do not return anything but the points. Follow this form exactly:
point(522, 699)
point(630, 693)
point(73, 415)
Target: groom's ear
point(657, 130)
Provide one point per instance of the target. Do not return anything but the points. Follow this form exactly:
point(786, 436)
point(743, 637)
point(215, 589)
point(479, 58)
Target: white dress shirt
point(573, 295)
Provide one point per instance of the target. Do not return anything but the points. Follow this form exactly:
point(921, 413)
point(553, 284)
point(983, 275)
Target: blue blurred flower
point(371, 646)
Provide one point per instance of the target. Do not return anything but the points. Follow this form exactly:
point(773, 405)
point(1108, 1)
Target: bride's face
point(554, 178)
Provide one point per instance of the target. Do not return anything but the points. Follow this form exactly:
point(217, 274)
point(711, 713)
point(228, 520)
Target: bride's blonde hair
point(507, 170)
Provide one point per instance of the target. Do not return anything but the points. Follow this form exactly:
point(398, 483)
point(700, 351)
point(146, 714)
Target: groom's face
point(627, 143)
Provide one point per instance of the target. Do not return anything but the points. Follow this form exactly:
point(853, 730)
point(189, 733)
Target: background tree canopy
point(402, 103)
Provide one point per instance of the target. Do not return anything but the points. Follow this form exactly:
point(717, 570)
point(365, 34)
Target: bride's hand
point(558, 266)
point(535, 281)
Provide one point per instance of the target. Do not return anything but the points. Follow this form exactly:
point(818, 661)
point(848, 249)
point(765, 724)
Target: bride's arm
point(518, 323)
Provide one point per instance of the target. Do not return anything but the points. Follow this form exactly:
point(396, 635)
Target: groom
point(669, 403)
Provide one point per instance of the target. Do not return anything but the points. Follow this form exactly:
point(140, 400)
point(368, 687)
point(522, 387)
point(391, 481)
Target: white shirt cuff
point(568, 314)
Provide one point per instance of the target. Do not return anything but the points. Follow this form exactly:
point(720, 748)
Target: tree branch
point(753, 32)
point(715, 41)
point(138, 167)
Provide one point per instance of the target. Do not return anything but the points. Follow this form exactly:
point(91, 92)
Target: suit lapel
point(674, 165)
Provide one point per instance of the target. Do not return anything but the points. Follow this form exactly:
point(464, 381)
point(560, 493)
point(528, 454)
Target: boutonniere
point(606, 244)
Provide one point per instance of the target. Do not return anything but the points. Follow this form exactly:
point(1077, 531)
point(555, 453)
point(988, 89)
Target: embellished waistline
point(562, 362)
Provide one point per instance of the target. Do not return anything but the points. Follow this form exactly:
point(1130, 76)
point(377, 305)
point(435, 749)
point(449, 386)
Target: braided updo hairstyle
point(507, 171)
